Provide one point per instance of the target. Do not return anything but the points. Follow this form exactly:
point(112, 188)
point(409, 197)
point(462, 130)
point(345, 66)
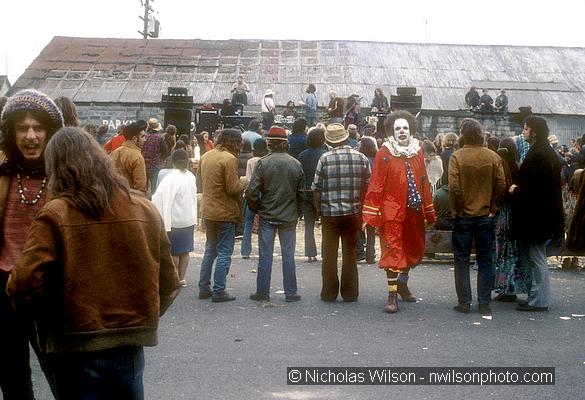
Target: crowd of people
point(338, 110)
point(97, 233)
point(485, 103)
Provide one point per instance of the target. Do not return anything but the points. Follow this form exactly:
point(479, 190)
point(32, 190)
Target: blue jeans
point(465, 231)
point(311, 119)
point(310, 214)
point(153, 179)
point(114, 373)
point(287, 238)
point(267, 120)
point(246, 247)
point(366, 239)
point(219, 243)
point(532, 257)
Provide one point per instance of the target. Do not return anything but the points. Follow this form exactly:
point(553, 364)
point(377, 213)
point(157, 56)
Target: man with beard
point(28, 121)
point(539, 210)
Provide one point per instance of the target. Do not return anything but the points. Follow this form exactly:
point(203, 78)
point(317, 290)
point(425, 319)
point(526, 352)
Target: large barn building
point(118, 80)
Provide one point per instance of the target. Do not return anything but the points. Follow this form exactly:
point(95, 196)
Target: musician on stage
point(335, 108)
point(380, 102)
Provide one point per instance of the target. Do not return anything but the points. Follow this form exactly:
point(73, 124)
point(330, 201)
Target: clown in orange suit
point(399, 201)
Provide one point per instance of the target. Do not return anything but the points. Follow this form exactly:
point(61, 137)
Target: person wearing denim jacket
point(309, 159)
point(311, 106)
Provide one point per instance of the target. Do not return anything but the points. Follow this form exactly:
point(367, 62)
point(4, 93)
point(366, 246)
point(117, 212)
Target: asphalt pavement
point(241, 349)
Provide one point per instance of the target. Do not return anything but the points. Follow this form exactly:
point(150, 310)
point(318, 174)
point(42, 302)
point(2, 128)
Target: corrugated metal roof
point(550, 79)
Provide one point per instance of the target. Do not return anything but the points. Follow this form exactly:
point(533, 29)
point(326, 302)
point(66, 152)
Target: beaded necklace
point(23, 199)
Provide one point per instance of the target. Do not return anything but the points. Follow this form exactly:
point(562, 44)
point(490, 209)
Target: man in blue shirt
point(311, 106)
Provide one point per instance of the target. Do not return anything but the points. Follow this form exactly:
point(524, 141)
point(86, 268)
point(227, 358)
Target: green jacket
point(276, 190)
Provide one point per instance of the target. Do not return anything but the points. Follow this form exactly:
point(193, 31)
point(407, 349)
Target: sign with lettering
point(115, 124)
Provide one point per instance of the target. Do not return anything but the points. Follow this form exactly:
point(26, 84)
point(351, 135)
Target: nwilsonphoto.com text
point(420, 376)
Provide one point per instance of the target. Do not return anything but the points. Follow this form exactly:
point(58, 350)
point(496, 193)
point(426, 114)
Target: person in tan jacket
point(128, 157)
point(220, 209)
point(476, 189)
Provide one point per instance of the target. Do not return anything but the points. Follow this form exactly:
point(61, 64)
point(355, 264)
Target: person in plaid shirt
point(340, 183)
point(154, 152)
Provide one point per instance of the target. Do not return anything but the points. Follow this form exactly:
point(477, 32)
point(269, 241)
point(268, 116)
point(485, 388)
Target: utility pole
point(149, 31)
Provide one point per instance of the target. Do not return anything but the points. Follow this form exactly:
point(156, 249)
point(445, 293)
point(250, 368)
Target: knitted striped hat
point(29, 100)
point(276, 133)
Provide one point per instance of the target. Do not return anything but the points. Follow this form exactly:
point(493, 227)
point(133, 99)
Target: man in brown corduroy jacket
point(220, 209)
point(476, 189)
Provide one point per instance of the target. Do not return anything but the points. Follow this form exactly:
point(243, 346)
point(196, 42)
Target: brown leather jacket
point(92, 284)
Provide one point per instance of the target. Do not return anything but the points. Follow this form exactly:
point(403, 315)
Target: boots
point(392, 306)
point(405, 293)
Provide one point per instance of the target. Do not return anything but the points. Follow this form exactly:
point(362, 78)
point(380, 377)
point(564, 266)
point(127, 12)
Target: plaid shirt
point(522, 147)
point(342, 177)
point(153, 149)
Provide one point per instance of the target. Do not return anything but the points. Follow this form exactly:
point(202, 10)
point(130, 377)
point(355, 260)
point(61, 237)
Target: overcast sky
point(28, 26)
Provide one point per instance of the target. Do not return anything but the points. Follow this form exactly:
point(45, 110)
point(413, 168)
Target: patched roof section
point(550, 79)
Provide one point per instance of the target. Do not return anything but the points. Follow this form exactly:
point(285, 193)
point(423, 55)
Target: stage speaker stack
point(206, 119)
point(178, 106)
point(406, 99)
point(237, 121)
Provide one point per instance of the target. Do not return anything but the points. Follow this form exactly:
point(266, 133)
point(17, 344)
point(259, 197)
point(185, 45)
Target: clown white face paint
point(402, 131)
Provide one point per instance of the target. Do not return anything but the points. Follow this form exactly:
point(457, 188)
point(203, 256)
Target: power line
point(151, 27)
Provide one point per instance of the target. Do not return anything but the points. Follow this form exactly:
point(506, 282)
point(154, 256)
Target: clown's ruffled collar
point(397, 150)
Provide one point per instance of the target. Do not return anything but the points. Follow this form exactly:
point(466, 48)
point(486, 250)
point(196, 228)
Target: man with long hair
point(95, 274)
point(221, 210)
point(154, 151)
point(276, 193)
point(380, 101)
point(68, 110)
point(476, 190)
point(28, 121)
point(539, 210)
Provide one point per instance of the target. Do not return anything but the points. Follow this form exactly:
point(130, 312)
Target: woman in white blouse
point(176, 200)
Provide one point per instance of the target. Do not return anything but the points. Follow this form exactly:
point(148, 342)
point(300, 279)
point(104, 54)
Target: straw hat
point(336, 133)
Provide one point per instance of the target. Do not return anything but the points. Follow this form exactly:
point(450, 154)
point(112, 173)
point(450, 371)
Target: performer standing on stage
point(398, 201)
